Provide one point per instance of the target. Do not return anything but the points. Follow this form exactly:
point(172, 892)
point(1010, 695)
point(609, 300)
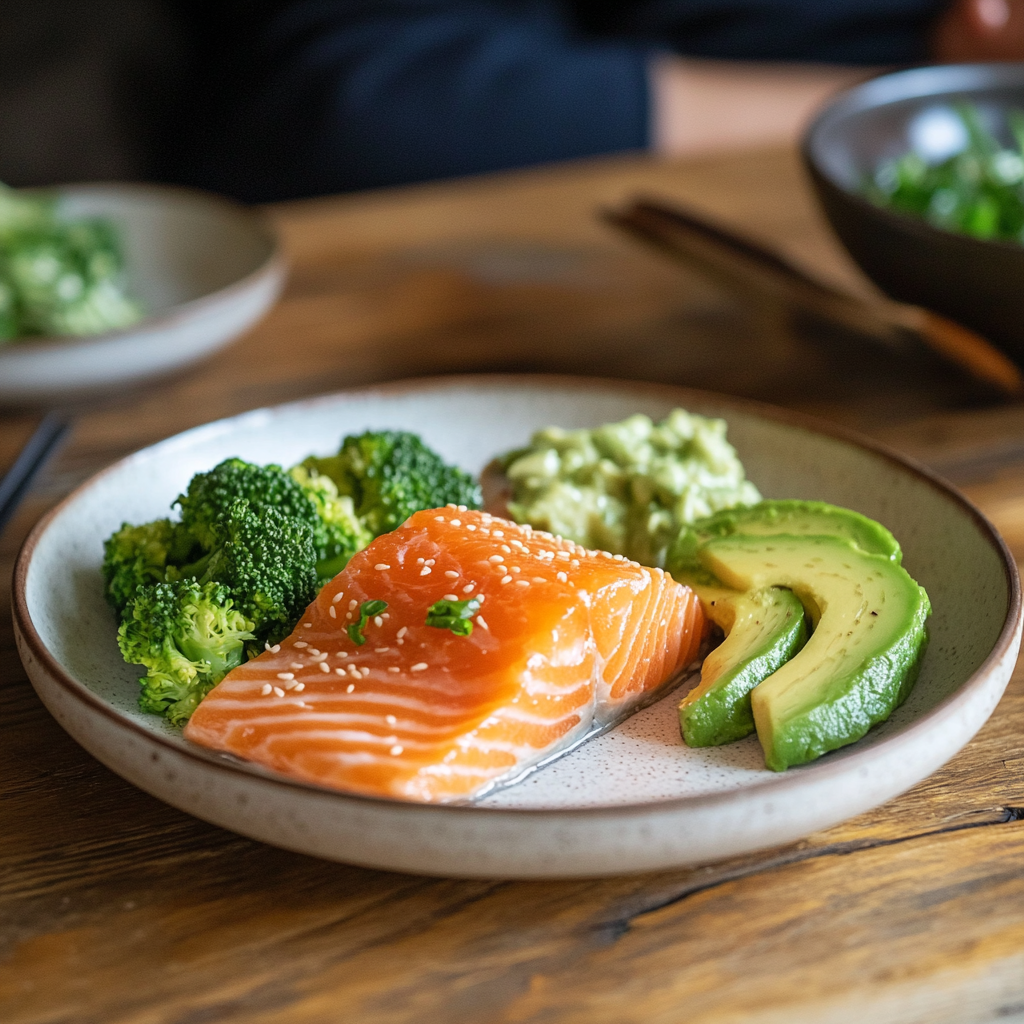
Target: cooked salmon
point(557, 642)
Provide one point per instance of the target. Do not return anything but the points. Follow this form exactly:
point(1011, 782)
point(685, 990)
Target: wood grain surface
point(116, 909)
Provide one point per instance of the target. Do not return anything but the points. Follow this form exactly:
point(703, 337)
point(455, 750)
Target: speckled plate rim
point(841, 763)
point(271, 272)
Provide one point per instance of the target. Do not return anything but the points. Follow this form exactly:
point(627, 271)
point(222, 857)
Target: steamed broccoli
point(266, 558)
point(189, 636)
point(197, 597)
point(140, 555)
point(252, 548)
point(338, 534)
point(390, 474)
point(211, 495)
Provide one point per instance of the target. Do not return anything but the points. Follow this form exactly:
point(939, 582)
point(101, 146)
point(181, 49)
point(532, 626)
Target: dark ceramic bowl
point(979, 283)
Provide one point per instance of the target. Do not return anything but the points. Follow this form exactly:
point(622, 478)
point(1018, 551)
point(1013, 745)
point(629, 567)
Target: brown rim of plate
point(273, 265)
point(778, 784)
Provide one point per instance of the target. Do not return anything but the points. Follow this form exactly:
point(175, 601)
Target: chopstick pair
point(45, 440)
point(744, 264)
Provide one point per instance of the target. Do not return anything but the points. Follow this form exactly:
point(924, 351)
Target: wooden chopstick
point(744, 263)
point(33, 456)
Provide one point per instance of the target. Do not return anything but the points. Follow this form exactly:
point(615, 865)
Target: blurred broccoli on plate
point(59, 276)
point(254, 544)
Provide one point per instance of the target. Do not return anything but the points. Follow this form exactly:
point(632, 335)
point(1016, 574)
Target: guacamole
point(627, 487)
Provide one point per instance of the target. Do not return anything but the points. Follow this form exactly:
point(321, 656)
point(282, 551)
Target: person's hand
point(980, 30)
point(704, 106)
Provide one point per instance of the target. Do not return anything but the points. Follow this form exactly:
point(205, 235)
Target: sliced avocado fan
point(763, 630)
point(865, 652)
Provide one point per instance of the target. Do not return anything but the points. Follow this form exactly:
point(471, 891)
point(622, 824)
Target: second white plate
point(205, 268)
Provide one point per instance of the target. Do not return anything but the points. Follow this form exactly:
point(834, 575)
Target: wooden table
point(115, 908)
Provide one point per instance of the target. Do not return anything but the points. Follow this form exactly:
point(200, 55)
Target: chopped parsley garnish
point(976, 189)
point(367, 610)
point(454, 615)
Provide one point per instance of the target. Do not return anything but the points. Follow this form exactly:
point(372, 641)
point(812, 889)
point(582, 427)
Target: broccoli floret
point(140, 555)
point(190, 624)
point(267, 559)
point(339, 534)
point(210, 496)
point(391, 474)
point(189, 636)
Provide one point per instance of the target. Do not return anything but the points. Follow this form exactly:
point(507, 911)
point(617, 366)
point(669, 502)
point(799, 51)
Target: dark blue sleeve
point(305, 97)
point(841, 31)
point(325, 96)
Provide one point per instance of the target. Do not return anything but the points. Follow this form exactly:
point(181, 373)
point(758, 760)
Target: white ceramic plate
point(205, 268)
point(635, 799)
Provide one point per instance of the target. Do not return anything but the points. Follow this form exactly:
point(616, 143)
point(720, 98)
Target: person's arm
point(320, 96)
point(702, 105)
point(328, 97)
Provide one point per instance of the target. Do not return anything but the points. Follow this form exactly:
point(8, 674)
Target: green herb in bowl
point(978, 191)
point(59, 276)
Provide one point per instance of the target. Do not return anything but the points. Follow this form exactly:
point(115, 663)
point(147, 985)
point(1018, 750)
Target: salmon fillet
point(564, 641)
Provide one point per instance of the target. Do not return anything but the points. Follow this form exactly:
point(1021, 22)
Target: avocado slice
point(763, 630)
point(791, 517)
point(760, 637)
point(863, 657)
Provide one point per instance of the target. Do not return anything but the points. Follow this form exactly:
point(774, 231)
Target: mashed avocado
point(627, 487)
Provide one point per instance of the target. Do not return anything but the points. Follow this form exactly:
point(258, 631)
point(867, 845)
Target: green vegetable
point(188, 636)
point(454, 615)
point(254, 527)
point(140, 555)
point(338, 533)
point(211, 495)
point(627, 487)
point(763, 630)
point(266, 558)
point(246, 543)
point(785, 515)
point(58, 276)
point(366, 612)
point(391, 474)
point(8, 312)
point(978, 191)
point(249, 527)
point(862, 657)
point(764, 627)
